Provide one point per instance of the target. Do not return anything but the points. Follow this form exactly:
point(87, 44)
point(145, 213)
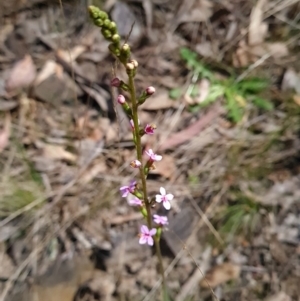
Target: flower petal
point(169, 196)
point(142, 240)
point(167, 205)
point(152, 231)
point(162, 191)
point(158, 157)
point(158, 198)
point(150, 241)
point(144, 229)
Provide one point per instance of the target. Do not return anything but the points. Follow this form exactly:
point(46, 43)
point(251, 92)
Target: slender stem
point(143, 176)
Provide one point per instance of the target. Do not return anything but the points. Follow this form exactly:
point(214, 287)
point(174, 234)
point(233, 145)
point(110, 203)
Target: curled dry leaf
point(221, 274)
point(72, 55)
point(57, 152)
point(21, 75)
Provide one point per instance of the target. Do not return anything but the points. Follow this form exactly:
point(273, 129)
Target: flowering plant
point(136, 191)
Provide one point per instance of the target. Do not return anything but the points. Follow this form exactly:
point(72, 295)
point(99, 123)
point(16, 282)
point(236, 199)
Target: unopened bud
point(106, 33)
point(121, 99)
point(113, 27)
point(106, 24)
point(115, 38)
point(129, 66)
point(135, 164)
point(125, 48)
point(150, 90)
point(135, 63)
point(115, 82)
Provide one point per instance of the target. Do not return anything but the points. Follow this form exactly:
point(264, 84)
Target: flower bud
point(125, 53)
point(115, 38)
point(135, 164)
point(98, 22)
point(115, 82)
point(121, 99)
point(113, 27)
point(114, 49)
point(106, 24)
point(150, 90)
point(129, 66)
point(103, 15)
point(135, 63)
point(106, 33)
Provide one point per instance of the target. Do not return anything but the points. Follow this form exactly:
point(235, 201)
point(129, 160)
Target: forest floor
point(227, 104)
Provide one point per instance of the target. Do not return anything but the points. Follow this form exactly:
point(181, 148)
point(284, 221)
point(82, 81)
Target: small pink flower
point(146, 235)
point(134, 202)
point(164, 198)
point(161, 220)
point(150, 90)
point(132, 123)
point(115, 82)
point(149, 129)
point(125, 190)
point(135, 164)
point(153, 157)
point(121, 99)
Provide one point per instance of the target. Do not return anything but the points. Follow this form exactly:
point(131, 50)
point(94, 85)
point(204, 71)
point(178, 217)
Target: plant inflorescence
point(136, 191)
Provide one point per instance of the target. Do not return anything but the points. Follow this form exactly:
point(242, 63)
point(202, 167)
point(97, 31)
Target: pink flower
point(125, 190)
point(135, 164)
point(153, 157)
point(121, 99)
point(161, 220)
point(146, 235)
point(164, 198)
point(150, 90)
point(149, 129)
point(115, 82)
point(132, 123)
point(134, 202)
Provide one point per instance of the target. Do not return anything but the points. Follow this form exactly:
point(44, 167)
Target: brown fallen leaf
point(159, 101)
point(21, 75)
point(7, 105)
point(72, 55)
point(257, 28)
point(194, 11)
point(5, 133)
point(57, 152)
point(221, 274)
point(166, 167)
point(92, 172)
point(191, 131)
point(281, 296)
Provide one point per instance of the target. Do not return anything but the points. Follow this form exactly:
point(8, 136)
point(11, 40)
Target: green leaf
point(253, 85)
point(215, 91)
point(188, 55)
point(235, 112)
point(263, 103)
point(175, 93)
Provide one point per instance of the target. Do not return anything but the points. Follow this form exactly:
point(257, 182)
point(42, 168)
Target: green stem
point(143, 176)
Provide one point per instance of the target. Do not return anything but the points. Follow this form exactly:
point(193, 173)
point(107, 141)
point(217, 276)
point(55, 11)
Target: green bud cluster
point(109, 31)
